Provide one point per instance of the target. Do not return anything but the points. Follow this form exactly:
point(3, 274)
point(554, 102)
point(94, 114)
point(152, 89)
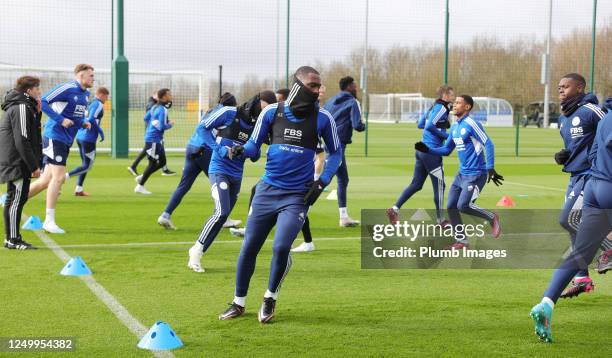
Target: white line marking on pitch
point(534, 186)
point(133, 324)
point(164, 243)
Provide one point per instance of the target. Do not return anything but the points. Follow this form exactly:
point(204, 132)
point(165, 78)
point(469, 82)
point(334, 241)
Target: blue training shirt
point(432, 135)
point(601, 151)
point(291, 167)
point(66, 100)
point(578, 133)
point(220, 118)
point(470, 138)
point(197, 140)
point(157, 123)
point(346, 111)
point(95, 112)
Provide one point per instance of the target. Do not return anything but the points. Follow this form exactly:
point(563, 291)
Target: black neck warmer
point(301, 100)
point(570, 105)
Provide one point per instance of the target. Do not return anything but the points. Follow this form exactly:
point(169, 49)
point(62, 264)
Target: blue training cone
point(2, 199)
point(33, 223)
point(160, 337)
point(75, 267)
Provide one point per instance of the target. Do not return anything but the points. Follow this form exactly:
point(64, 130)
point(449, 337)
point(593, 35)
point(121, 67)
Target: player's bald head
point(309, 77)
point(304, 71)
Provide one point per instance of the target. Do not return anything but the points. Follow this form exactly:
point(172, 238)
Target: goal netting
point(190, 91)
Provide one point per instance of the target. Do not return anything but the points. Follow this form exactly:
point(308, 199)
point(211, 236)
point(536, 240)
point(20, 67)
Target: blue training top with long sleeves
point(158, 123)
point(346, 111)
point(578, 132)
point(66, 100)
point(432, 135)
point(212, 129)
point(423, 119)
point(197, 138)
point(470, 138)
point(601, 151)
point(289, 166)
point(95, 112)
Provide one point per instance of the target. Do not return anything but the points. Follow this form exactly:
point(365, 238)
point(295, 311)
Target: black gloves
point(562, 156)
point(443, 124)
point(235, 152)
point(497, 179)
point(421, 147)
point(316, 188)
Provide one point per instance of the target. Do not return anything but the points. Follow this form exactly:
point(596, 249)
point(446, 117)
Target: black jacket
point(20, 137)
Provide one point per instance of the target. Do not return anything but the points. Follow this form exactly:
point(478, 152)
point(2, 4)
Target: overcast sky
point(241, 35)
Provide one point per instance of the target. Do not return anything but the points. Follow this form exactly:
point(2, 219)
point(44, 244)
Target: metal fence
point(495, 47)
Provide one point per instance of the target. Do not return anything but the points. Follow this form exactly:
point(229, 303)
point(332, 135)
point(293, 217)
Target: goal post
point(190, 91)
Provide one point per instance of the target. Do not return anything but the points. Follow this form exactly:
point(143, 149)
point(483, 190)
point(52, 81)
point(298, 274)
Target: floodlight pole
point(364, 77)
point(446, 26)
point(546, 68)
point(220, 81)
point(277, 67)
point(593, 35)
point(120, 94)
point(112, 30)
point(287, 45)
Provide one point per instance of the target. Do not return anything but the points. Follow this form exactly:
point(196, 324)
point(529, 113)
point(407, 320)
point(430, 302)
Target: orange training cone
point(506, 200)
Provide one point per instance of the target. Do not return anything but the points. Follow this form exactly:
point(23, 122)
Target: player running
point(286, 190)
point(233, 127)
point(604, 261)
point(578, 123)
point(65, 105)
point(133, 168)
point(197, 160)
point(346, 111)
point(434, 123)
point(595, 226)
point(158, 124)
point(308, 245)
point(469, 137)
point(87, 138)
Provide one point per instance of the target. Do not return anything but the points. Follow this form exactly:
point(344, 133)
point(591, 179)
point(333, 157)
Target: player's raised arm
point(477, 131)
point(444, 150)
point(260, 133)
point(422, 120)
point(216, 119)
point(435, 117)
point(332, 146)
point(58, 94)
point(93, 112)
point(356, 121)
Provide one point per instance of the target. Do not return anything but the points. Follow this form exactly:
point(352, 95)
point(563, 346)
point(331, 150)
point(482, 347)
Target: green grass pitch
point(328, 305)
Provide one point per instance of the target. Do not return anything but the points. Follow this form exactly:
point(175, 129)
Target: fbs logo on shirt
point(459, 145)
point(575, 131)
point(79, 110)
point(292, 135)
point(243, 136)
